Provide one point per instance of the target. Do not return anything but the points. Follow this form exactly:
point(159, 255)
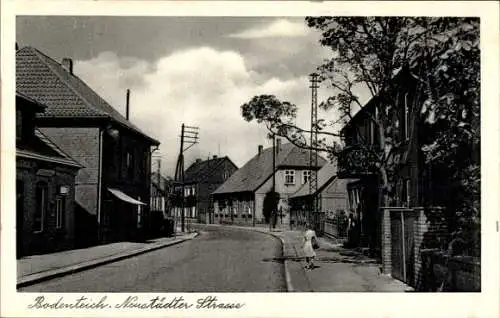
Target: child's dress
point(308, 248)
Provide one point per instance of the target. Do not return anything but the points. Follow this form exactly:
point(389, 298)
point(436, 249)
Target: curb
point(59, 272)
point(288, 279)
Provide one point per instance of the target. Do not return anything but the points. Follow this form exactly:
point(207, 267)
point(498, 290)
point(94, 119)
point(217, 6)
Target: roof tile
point(256, 171)
point(65, 95)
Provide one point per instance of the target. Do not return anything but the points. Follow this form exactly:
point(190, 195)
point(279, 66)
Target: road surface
point(218, 260)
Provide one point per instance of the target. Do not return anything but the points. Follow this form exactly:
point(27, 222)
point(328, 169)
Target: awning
point(122, 196)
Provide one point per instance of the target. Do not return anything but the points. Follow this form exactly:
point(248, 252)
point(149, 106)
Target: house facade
point(160, 204)
point(45, 187)
point(160, 190)
point(202, 178)
point(113, 189)
point(333, 202)
point(361, 133)
point(241, 198)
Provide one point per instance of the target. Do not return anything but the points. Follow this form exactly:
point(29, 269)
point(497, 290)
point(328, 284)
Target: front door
point(19, 217)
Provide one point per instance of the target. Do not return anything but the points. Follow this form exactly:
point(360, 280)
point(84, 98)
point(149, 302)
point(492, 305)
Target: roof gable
point(260, 168)
point(64, 94)
point(42, 148)
point(325, 175)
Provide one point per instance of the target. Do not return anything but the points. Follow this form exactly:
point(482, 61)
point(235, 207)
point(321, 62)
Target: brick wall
point(430, 232)
point(386, 241)
point(50, 239)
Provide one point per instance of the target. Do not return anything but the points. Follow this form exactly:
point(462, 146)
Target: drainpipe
point(99, 187)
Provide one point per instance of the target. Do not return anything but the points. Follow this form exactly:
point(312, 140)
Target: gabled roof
point(64, 94)
point(260, 168)
point(42, 148)
point(325, 175)
point(200, 170)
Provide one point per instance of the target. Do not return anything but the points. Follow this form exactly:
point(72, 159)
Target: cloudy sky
point(192, 70)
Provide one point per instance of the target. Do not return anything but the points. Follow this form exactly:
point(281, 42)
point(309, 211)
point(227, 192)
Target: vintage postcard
point(263, 159)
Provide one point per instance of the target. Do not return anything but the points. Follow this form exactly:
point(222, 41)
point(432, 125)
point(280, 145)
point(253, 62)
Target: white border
point(484, 304)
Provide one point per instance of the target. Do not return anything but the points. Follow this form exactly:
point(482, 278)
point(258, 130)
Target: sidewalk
point(337, 269)
point(37, 268)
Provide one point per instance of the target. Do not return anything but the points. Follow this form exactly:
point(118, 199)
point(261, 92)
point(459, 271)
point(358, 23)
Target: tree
point(270, 205)
point(442, 54)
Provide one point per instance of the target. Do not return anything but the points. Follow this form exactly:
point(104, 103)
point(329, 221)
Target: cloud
point(277, 28)
point(201, 87)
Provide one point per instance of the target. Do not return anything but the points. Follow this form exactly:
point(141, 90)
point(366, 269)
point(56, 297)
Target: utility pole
point(273, 212)
point(313, 153)
point(189, 137)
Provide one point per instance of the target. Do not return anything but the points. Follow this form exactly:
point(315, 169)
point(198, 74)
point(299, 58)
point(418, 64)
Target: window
point(289, 176)
point(129, 163)
point(41, 206)
point(407, 117)
point(60, 211)
point(306, 176)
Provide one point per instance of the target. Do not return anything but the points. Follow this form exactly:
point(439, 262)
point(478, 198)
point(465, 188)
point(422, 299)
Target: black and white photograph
point(215, 154)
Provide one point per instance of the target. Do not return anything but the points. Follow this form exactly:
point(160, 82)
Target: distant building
point(160, 190)
point(113, 189)
point(241, 198)
point(45, 186)
point(332, 196)
point(201, 179)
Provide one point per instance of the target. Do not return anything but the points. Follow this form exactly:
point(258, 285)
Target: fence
point(336, 226)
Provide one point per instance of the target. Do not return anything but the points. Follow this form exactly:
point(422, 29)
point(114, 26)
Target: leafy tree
point(442, 54)
point(271, 201)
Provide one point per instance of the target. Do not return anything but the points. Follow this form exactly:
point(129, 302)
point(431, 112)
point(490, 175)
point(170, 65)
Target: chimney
point(127, 110)
point(278, 144)
point(67, 63)
point(260, 149)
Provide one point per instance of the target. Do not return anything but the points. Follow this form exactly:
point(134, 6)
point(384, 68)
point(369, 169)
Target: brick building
point(45, 186)
point(396, 232)
point(202, 178)
point(112, 189)
point(241, 198)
